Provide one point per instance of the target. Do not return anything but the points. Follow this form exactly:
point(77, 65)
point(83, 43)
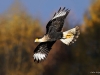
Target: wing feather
point(59, 9)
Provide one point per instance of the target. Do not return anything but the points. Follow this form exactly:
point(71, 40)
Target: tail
point(70, 36)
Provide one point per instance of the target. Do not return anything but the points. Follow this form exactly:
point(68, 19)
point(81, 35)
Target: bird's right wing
point(42, 50)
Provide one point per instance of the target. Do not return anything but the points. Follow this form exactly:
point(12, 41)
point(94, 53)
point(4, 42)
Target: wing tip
point(59, 9)
point(39, 57)
point(61, 12)
point(63, 8)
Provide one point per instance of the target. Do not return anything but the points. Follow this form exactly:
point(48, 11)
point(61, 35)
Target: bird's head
point(39, 40)
point(43, 39)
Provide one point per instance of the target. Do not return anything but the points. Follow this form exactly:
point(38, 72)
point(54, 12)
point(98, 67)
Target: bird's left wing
point(58, 20)
point(42, 50)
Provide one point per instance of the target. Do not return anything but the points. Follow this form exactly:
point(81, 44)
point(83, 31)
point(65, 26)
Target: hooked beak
point(36, 40)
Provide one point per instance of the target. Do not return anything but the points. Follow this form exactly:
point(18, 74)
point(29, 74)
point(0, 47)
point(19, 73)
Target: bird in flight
point(53, 33)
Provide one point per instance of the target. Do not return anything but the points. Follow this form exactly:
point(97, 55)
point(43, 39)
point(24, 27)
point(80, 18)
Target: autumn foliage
point(17, 34)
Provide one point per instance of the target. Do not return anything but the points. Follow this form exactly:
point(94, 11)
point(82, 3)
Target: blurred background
point(21, 21)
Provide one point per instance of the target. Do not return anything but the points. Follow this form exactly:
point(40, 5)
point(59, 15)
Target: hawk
point(54, 33)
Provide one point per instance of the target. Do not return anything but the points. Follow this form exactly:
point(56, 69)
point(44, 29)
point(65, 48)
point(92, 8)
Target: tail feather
point(70, 36)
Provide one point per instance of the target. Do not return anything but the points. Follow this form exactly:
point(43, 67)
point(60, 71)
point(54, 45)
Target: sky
point(44, 9)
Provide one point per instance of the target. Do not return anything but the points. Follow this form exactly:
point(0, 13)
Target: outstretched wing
point(42, 50)
point(57, 21)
